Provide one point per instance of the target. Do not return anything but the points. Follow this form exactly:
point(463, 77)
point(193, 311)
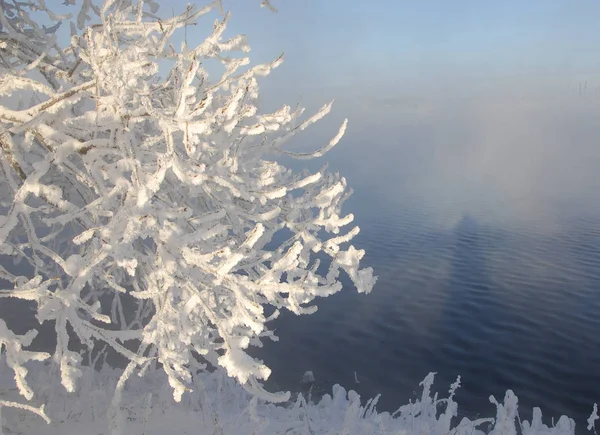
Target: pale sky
point(336, 42)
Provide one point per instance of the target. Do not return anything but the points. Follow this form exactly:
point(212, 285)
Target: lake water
point(481, 217)
point(482, 221)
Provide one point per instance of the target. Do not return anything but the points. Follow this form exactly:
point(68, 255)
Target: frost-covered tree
point(146, 198)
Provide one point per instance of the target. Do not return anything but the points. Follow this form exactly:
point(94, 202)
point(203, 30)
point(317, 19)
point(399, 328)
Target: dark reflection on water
point(503, 308)
point(482, 221)
point(483, 225)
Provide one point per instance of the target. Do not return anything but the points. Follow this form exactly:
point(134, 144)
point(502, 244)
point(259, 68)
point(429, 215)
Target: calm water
point(487, 248)
point(481, 218)
point(502, 308)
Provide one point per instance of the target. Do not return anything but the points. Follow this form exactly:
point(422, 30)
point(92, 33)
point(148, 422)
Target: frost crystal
point(145, 197)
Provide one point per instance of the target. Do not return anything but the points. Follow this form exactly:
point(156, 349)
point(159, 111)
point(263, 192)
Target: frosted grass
point(218, 405)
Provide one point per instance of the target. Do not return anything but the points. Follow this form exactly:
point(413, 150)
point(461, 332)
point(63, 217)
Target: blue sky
point(331, 43)
point(347, 42)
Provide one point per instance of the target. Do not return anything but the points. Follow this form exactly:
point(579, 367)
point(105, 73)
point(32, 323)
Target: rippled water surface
point(487, 248)
point(481, 218)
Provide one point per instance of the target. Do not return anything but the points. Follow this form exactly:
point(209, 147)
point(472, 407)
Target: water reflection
point(482, 220)
point(477, 300)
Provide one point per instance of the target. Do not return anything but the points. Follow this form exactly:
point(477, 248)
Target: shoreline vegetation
point(219, 405)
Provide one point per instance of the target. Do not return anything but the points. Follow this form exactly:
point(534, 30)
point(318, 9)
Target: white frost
point(145, 196)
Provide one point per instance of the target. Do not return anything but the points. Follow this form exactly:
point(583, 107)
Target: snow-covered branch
point(137, 179)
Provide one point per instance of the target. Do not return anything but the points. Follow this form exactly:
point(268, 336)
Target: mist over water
point(480, 212)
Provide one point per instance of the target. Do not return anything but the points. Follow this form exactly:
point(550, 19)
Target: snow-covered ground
point(219, 406)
